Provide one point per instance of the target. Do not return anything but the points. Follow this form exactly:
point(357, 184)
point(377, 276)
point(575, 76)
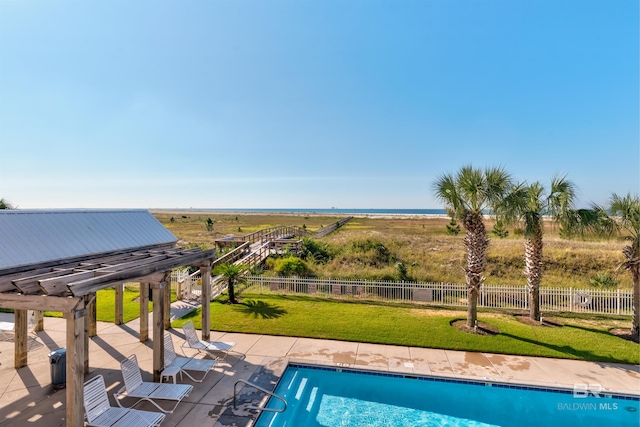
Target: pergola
point(58, 260)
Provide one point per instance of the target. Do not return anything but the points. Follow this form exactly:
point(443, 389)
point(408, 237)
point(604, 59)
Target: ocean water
point(333, 211)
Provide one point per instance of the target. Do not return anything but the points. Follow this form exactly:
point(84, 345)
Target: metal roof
point(31, 237)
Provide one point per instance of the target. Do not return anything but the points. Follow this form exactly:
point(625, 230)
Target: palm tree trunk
point(533, 270)
point(232, 293)
point(633, 265)
point(476, 243)
point(635, 322)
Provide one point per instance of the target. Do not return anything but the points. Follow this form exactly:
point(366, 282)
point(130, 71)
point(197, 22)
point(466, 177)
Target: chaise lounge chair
point(134, 387)
point(100, 414)
point(174, 364)
point(6, 328)
point(211, 348)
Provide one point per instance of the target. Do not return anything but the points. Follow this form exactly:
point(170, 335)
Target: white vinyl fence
point(596, 301)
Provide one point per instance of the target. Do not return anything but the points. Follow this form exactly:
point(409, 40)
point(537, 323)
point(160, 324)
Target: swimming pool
point(325, 396)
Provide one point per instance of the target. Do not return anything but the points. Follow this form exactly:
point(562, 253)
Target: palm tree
point(626, 211)
point(621, 217)
point(232, 274)
point(528, 205)
point(466, 196)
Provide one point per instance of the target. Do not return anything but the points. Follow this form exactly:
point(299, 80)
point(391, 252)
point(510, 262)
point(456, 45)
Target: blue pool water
point(319, 396)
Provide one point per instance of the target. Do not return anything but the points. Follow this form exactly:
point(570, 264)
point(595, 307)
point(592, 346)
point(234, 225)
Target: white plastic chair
point(210, 348)
point(100, 414)
point(134, 387)
point(173, 363)
point(6, 331)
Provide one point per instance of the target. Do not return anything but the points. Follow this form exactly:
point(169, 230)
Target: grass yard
point(106, 304)
point(302, 316)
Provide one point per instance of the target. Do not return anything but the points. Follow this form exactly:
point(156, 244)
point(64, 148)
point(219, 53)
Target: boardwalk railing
point(596, 301)
point(332, 227)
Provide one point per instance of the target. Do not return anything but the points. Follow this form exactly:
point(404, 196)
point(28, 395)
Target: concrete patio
point(27, 397)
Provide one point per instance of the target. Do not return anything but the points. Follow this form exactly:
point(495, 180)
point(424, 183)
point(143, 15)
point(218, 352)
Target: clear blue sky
point(311, 104)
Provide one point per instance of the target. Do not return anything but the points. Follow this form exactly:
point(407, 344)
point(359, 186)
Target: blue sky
point(311, 104)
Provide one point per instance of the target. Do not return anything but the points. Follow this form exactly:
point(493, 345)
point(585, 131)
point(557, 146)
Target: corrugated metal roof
point(30, 237)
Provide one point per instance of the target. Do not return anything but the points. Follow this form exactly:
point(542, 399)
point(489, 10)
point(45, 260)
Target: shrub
point(604, 281)
point(291, 266)
point(403, 273)
point(312, 249)
point(499, 230)
point(453, 229)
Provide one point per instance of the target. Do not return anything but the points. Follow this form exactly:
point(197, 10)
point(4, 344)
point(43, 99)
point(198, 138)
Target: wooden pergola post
point(75, 364)
point(159, 289)
point(167, 304)
point(38, 316)
point(92, 315)
point(20, 337)
point(89, 302)
point(119, 304)
point(144, 311)
point(205, 274)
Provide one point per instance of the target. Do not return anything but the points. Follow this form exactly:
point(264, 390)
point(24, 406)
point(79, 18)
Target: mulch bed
point(549, 323)
point(482, 329)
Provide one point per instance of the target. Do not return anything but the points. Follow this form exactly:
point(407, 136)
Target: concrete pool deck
point(28, 399)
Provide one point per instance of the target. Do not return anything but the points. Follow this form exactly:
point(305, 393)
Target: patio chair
point(174, 364)
point(100, 414)
point(6, 331)
point(211, 348)
point(135, 388)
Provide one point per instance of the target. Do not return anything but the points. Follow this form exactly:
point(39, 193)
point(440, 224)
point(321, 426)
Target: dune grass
point(405, 324)
point(421, 244)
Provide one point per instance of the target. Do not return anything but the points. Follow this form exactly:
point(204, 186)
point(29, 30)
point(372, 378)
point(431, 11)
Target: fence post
point(570, 299)
point(618, 302)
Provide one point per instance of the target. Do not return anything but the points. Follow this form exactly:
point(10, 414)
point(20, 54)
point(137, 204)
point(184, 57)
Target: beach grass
point(420, 243)
point(585, 338)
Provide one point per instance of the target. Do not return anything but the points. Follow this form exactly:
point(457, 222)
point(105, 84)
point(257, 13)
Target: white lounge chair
point(100, 414)
point(135, 388)
point(211, 348)
point(5, 329)
point(174, 364)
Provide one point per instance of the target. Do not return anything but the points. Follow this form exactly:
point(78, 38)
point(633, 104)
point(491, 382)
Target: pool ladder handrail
point(257, 387)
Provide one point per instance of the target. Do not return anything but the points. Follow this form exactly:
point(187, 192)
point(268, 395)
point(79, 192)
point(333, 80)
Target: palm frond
point(446, 190)
point(561, 198)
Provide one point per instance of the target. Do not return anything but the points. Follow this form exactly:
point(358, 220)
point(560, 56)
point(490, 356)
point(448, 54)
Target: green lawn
point(302, 316)
point(106, 304)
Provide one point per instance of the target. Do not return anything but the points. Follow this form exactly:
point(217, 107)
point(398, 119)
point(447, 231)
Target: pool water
point(320, 396)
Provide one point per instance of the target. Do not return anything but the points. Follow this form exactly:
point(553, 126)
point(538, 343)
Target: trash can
point(58, 360)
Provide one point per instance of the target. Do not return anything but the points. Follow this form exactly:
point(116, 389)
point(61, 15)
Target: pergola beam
point(38, 302)
point(83, 287)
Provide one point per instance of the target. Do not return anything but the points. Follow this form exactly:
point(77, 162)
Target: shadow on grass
point(568, 350)
point(260, 309)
